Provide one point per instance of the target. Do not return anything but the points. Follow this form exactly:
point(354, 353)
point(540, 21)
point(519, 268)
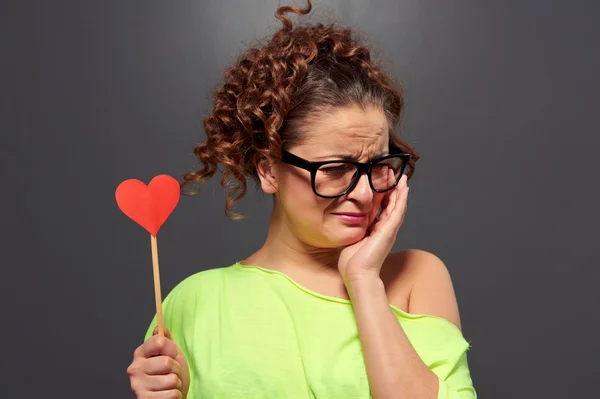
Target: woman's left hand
point(365, 258)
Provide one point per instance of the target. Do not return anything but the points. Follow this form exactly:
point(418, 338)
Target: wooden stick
point(157, 295)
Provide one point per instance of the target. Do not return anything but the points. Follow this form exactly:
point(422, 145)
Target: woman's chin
point(351, 236)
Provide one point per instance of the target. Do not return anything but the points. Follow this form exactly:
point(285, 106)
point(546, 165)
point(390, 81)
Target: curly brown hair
point(274, 89)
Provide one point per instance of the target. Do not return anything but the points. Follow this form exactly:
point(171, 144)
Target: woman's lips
point(352, 218)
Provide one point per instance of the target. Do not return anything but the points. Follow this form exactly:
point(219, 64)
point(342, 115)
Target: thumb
point(167, 332)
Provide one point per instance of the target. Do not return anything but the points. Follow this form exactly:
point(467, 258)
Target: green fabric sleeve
point(458, 383)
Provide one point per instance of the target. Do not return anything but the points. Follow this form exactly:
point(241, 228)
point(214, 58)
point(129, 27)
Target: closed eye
point(337, 169)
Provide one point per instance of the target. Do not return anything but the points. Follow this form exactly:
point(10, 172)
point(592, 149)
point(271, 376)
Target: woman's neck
point(312, 267)
point(284, 251)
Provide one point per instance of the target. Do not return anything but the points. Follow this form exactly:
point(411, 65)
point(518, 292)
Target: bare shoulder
point(420, 283)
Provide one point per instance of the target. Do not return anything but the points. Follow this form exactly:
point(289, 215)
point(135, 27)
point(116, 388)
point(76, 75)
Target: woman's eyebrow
point(350, 157)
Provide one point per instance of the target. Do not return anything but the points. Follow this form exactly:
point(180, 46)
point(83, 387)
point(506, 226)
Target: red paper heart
point(150, 205)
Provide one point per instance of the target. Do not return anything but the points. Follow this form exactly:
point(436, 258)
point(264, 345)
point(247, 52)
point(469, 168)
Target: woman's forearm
point(394, 368)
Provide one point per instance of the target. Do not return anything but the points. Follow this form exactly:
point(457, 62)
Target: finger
point(396, 207)
point(160, 365)
point(387, 200)
point(166, 331)
point(157, 345)
point(169, 394)
point(403, 181)
point(405, 188)
point(163, 382)
point(392, 200)
point(401, 203)
point(387, 203)
point(384, 203)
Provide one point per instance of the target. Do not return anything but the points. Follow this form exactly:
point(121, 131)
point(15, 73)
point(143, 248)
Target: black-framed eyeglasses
point(332, 179)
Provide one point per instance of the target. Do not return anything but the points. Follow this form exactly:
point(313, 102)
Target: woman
point(322, 309)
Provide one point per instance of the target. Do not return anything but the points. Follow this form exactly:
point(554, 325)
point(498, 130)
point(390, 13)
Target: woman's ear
point(266, 173)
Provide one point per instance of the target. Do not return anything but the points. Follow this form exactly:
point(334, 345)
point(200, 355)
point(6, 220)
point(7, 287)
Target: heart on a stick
point(150, 205)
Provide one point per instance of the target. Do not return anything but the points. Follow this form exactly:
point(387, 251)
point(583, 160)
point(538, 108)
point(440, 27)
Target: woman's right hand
point(159, 369)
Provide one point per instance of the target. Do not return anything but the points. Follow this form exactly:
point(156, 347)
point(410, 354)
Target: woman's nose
point(362, 190)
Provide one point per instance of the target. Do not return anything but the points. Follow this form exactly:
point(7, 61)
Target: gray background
point(502, 104)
